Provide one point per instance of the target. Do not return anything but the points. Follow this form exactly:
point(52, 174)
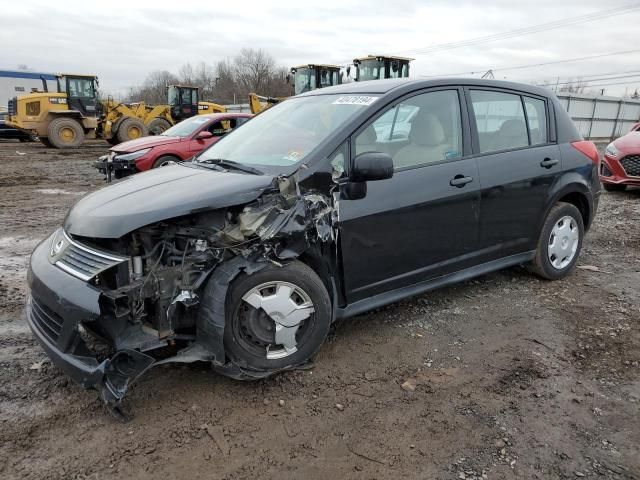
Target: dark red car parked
point(180, 142)
point(621, 163)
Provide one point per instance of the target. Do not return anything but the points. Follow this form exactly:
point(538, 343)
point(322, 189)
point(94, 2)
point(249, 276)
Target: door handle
point(548, 162)
point(460, 181)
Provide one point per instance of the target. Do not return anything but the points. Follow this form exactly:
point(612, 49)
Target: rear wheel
point(560, 242)
point(614, 187)
point(158, 126)
point(130, 129)
point(65, 133)
point(113, 141)
point(277, 317)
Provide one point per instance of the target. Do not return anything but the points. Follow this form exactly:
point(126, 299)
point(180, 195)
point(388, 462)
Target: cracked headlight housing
point(131, 156)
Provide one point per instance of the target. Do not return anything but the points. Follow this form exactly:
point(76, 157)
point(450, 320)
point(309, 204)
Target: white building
point(20, 82)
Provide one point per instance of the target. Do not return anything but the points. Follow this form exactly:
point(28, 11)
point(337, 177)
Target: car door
point(422, 222)
point(518, 161)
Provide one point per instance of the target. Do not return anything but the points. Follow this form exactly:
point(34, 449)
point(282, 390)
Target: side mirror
point(370, 166)
point(203, 135)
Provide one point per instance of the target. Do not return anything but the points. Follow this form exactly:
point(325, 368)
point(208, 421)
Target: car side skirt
point(385, 298)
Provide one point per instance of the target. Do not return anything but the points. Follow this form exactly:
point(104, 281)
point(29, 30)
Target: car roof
point(386, 86)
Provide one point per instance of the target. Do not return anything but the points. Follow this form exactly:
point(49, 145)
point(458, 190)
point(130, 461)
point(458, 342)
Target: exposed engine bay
point(152, 305)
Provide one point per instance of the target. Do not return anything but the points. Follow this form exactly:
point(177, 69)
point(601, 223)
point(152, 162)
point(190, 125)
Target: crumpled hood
point(145, 142)
point(160, 194)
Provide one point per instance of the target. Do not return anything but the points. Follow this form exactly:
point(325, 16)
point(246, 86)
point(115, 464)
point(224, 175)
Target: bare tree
point(154, 88)
point(573, 86)
point(229, 81)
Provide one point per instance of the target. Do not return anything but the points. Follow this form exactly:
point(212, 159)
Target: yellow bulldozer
point(63, 119)
point(305, 78)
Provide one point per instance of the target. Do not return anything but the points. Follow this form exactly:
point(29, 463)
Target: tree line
point(225, 82)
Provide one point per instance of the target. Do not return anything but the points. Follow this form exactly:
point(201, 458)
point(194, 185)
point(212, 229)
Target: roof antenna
point(488, 74)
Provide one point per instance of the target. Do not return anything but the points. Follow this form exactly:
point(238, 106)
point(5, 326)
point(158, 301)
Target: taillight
point(589, 149)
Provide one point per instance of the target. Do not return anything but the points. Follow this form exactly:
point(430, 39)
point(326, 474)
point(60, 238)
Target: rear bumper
point(612, 172)
point(58, 306)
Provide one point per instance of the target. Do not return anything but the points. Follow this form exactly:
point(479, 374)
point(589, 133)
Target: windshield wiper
point(230, 164)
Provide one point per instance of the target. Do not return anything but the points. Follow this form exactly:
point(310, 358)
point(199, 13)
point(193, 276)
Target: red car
point(621, 163)
point(180, 142)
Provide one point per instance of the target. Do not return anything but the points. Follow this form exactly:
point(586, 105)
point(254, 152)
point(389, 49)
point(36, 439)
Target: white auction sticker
point(355, 100)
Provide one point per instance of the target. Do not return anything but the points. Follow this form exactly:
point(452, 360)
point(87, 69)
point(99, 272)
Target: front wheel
point(560, 242)
point(276, 318)
point(164, 161)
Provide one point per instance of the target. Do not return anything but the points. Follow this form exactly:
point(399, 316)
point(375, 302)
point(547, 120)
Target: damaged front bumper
point(119, 169)
point(56, 309)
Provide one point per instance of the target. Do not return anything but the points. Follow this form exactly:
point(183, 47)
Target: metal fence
point(601, 118)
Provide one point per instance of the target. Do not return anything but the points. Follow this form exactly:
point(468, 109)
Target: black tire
point(65, 133)
point(244, 345)
point(541, 264)
point(113, 141)
point(164, 160)
point(158, 126)
point(614, 187)
point(130, 129)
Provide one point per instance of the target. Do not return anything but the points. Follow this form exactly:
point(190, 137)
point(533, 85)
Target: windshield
point(304, 80)
point(173, 95)
point(186, 127)
point(80, 88)
point(370, 70)
point(286, 133)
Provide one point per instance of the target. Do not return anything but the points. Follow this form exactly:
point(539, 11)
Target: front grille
point(84, 262)
point(631, 165)
point(47, 321)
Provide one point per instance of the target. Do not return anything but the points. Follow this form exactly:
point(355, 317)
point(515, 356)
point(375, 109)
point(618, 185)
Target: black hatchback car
point(324, 206)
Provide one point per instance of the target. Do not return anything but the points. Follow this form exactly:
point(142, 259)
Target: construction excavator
point(63, 119)
point(305, 78)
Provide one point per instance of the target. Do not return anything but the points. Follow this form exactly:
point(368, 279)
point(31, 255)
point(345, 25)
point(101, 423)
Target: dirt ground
point(505, 376)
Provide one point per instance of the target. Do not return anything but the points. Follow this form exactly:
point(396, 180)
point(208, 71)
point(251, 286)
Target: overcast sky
point(122, 41)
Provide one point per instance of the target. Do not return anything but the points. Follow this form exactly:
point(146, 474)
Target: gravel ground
point(505, 376)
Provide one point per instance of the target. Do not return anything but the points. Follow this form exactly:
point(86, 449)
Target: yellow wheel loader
point(305, 78)
point(378, 67)
point(312, 76)
point(182, 102)
point(60, 119)
point(120, 122)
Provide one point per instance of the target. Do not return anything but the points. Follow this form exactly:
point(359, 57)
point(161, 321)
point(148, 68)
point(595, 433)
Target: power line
point(586, 82)
point(531, 65)
point(607, 74)
point(526, 30)
point(589, 17)
point(610, 84)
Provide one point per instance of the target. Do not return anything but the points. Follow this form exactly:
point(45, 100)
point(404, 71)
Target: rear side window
point(537, 117)
point(500, 121)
